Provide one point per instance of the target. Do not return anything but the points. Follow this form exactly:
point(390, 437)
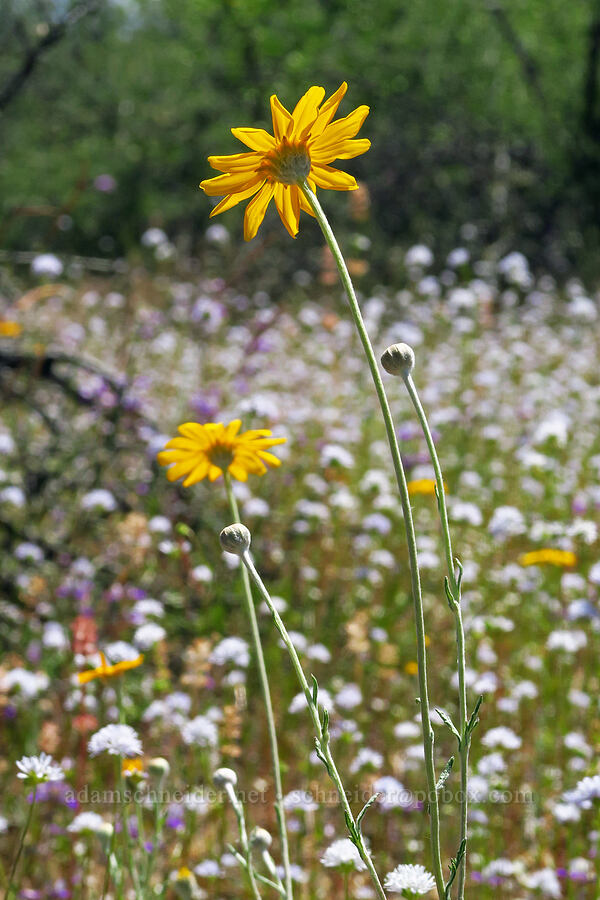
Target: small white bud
point(159, 767)
point(223, 777)
point(260, 839)
point(235, 539)
point(105, 835)
point(399, 359)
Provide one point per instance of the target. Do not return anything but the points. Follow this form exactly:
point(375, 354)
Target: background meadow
point(124, 313)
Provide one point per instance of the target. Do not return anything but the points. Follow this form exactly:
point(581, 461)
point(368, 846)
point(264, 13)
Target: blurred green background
point(485, 119)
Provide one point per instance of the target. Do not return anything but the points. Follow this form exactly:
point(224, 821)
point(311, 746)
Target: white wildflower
point(343, 853)
point(38, 769)
point(117, 740)
point(408, 877)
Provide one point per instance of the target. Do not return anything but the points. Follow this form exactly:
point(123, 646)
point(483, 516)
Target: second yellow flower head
point(214, 448)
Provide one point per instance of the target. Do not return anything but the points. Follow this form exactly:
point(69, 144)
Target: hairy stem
point(465, 739)
point(319, 726)
point(427, 730)
point(264, 682)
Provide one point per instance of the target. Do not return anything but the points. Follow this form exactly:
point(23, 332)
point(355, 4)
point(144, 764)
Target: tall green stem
point(321, 728)
point(264, 682)
point(428, 736)
point(15, 863)
point(128, 855)
point(465, 738)
point(238, 809)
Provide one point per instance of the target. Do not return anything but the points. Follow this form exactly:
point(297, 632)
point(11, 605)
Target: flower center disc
point(289, 163)
point(221, 457)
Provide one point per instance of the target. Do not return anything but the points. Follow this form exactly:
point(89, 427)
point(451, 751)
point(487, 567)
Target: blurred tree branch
point(512, 38)
point(591, 115)
point(32, 53)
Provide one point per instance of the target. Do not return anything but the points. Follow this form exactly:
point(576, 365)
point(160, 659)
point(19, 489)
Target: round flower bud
point(235, 539)
point(399, 359)
point(223, 777)
point(260, 839)
point(159, 768)
point(105, 835)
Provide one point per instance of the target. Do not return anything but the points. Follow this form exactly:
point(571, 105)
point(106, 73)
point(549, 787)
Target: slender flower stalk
point(129, 861)
point(15, 863)
point(264, 682)
point(454, 585)
point(227, 779)
point(320, 726)
point(428, 737)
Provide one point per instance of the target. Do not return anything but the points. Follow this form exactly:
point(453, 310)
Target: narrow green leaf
point(459, 566)
point(315, 690)
point(449, 595)
point(445, 774)
point(448, 723)
point(367, 806)
point(474, 720)
point(453, 866)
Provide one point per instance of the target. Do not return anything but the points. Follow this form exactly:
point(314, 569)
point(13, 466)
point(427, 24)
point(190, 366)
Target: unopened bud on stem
point(260, 839)
point(235, 539)
point(399, 359)
point(223, 777)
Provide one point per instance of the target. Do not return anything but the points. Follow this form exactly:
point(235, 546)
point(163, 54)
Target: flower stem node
point(235, 539)
point(223, 777)
point(399, 359)
point(260, 839)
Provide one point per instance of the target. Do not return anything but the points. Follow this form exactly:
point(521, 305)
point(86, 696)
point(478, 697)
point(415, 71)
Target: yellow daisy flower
point(303, 144)
point(10, 329)
point(561, 558)
point(423, 486)
point(133, 768)
point(213, 448)
point(104, 670)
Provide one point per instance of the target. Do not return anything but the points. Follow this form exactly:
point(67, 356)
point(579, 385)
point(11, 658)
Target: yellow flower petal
point(305, 113)
point(281, 118)
point(192, 430)
point(230, 184)
point(232, 429)
point(304, 204)
point(180, 468)
point(198, 473)
point(342, 130)
point(288, 206)
point(255, 138)
point(345, 150)
point(214, 472)
point(329, 109)
point(256, 209)
point(333, 179)
point(235, 163)
point(238, 472)
point(269, 457)
point(233, 199)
